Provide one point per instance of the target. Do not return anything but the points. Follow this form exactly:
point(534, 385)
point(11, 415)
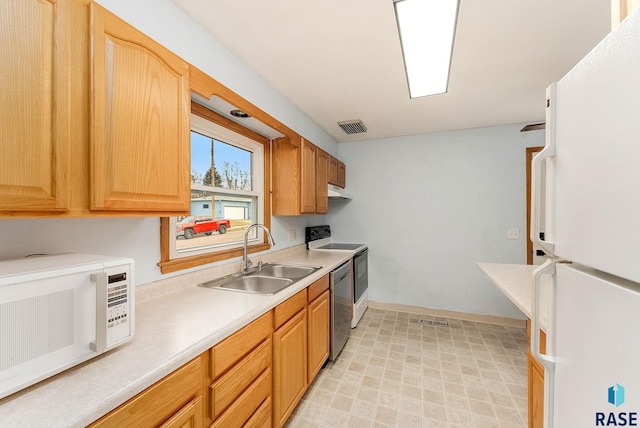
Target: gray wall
point(430, 207)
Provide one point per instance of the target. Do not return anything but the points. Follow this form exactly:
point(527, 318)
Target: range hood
point(336, 192)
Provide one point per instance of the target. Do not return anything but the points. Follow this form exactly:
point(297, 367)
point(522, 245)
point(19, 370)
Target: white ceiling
point(341, 59)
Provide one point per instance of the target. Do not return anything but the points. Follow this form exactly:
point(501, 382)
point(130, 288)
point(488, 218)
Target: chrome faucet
point(246, 263)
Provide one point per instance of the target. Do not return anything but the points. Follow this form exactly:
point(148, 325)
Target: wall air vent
point(352, 126)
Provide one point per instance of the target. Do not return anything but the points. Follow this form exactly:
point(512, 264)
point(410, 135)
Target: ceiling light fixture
point(239, 113)
point(427, 29)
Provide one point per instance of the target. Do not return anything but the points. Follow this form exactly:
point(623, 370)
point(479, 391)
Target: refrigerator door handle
point(538, 179)
point(547, 361)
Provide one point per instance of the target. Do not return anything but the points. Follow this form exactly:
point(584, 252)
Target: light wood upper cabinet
point(322, 182)
point(35, 105)
point(119, 148)
point(309, 153)
point(140, 106)
point(300, 175)
point(333, 170)
point(337, 172)
point(342, 175)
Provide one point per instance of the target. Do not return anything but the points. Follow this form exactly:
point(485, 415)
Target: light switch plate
point(292, 234)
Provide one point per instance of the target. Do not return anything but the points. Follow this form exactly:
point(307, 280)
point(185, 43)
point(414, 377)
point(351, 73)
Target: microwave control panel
point(119, 305)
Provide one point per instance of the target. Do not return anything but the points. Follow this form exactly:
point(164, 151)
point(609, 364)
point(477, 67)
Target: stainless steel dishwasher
point(341, 284)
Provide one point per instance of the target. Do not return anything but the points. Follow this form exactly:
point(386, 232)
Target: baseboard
point(489, 319)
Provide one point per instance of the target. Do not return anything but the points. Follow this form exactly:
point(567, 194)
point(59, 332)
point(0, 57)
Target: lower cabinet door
point(162, 403)
point(535, 378)
point(289, 366)
point(318, 334)
point(190, 416)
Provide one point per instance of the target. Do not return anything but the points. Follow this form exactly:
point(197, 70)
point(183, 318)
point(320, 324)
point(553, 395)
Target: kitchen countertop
point(175, 322)
point(515, 282)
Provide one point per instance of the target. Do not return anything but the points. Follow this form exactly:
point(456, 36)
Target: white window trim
point(210, 129)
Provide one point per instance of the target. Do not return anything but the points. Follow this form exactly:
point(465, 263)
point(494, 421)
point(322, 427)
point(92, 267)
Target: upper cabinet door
point(308, 176)
point(140, 109)
point(333, 170)
point(34, 148)
point(342, 174)
point(322, 182)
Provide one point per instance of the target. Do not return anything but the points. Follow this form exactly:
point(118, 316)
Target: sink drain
point(424, 321)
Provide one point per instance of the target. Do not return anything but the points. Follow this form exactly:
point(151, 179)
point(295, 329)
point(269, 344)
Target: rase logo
point(615, 397)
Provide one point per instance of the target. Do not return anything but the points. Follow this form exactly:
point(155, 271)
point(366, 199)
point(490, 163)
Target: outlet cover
point(513, 233)
point(292, 234)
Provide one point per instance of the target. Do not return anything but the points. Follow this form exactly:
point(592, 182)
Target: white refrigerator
point(587, 181)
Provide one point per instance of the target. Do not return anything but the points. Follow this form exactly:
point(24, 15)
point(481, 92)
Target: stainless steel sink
point(285, 271)
point(250, 284)
point(268, 278)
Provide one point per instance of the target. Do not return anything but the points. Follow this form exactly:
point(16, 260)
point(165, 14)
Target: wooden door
point(318, 335)
point(308, 177)
point(34, 153)
point(289, 366)
point(322, 182)
point(140, 109)
point(530, 153)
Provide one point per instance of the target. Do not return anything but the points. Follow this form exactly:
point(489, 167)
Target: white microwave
point(57, 311)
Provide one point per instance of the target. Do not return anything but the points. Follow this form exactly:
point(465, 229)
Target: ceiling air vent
point(352, 126)
point(533, 127)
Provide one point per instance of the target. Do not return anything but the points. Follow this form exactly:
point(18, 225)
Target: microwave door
point(45, 329)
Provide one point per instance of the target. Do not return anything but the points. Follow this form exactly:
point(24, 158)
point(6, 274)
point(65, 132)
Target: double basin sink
point(268, 278)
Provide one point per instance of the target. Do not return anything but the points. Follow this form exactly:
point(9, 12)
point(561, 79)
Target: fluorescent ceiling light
point(427, 28)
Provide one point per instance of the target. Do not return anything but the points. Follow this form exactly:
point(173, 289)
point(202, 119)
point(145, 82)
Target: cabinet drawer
point(262, 417)
point(285, 310)
point(233, 348)
point(236, 380)
point(316, 289)
point(245, 406)
point(160, 402)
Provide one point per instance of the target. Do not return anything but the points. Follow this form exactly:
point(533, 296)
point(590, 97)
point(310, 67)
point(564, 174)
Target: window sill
point(168, 266)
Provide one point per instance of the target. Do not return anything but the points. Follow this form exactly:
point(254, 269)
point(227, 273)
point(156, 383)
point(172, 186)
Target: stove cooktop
point(340, 246)
point(319, 238)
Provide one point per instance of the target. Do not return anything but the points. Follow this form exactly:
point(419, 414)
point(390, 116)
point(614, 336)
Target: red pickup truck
point(188, 227)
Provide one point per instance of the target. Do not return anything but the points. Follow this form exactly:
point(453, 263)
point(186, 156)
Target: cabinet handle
point(537, 178)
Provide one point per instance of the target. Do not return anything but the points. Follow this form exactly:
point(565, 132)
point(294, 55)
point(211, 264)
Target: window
point(228, 165)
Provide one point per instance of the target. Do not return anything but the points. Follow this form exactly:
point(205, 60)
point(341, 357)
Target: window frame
point(168, 264)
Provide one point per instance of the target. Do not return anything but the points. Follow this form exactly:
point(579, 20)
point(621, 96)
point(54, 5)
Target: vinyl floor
point(397, 372)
